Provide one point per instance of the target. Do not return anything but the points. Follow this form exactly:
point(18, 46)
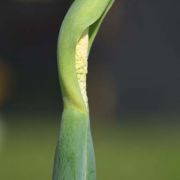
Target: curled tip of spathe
point(83, 16)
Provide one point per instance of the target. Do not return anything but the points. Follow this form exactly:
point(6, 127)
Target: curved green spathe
point(74, 159)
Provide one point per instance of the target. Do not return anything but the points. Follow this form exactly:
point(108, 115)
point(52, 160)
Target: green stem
point(74, 159)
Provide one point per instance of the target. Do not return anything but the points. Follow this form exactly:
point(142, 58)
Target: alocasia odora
point(74, 158)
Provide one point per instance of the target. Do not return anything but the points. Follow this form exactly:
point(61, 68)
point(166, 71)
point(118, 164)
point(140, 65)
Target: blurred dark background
point(136, 52)
point(133, 88)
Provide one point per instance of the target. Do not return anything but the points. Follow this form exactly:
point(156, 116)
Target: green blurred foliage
point(122, 152)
